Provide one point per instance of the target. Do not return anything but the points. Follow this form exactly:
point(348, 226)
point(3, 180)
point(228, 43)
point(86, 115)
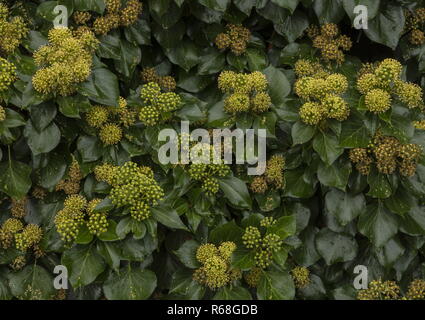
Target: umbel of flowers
point(381, 84)
point(321, 91)
point(133, 187)
point(245, 92)
point(65, 62)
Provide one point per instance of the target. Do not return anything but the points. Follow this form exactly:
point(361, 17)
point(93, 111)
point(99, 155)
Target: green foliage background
point(333, 218)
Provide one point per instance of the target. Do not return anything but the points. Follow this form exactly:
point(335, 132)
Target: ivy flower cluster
point(273, 176)
point(388, 154)
point(245, 92)
point(235, 38)
point(206, 172)
point(415, 23)
point(133, 187)
point(167, 83)
point(71, 184)
point(158, 106)
point(65, 62)
point(301, 276)
point(111, 121)
point(383, 83)
point(7, 74)
point(262, 241)
point(116, 15)
point(77, 212)
point(322, 93)
point(12, 29)
point(330, 42)
point(390, 290)
point(13, 231)
point(216, 271)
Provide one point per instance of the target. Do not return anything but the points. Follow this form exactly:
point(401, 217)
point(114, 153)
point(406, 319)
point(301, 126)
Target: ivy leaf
point(42, 141)
point(387, 27)
point(279, 87)
point(335, 175)
point(168, 217)
point(35, 277)
point(186, 55)
point(302, 133)
point(236, 192)
point(218, 5)
point(335, 247)
point(84, 265)
point(101, 87)
point(378, 224)
point(130, 284)
point(15, 179)
point(275, 285)
point(232, 293)
point(379, 185)
point(327, 147)
point(345, 206)
point(187, 254)
point(329, 10)
point(90, 5)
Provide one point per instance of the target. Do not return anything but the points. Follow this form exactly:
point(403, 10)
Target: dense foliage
point(81, 184)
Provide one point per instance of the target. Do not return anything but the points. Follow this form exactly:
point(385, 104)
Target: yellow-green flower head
point(336, 107)
point(97, 116)
point(261, 102)
point(304, 68)
point(367, 82)
point(75, 203)
point(271, 242)
point(67, 226)
point(304, 87)
point(131, 186)
point(378, 100)
point(92, 204)
point(226, 249)
point(97, 223)
point(253, 277)
point(105, 172)
point(167, 83)
point(4, 11)
point(7, 74)
point(236, 103)
point(205, 251)
point(259, 185)
point(268, 222)
point(113, 6)
point(222, 41)
point(2, 114)
point(337, 83)
point(251, 237)
point(410, 94)
point(409, 151)
point(215, 269)
point(257, 81)
point(226, 81)
point(168, 101)
point(420, 124)
point(242, 83)
point(416, 290)
point(149, 115)
point(89, 41)
point(263, 258)
point(140, 211)
point(379, 290)
point(274, 170)
point(150, 92)
point(110, 134)
point(301, 276)
point(388, 71)
point(57, 36)
point(12, 29)
point(329, 30)
point(130, 13)
point(319, 88)
point(30, 236)
point(210, 186)
point(312, 113)
point(12, 225)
